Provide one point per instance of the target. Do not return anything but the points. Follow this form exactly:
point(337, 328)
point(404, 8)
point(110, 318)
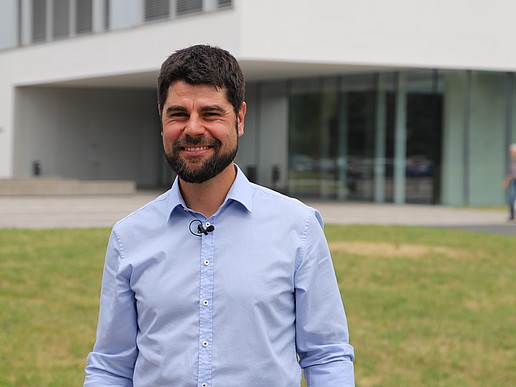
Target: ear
point(241, 118)
point(159, 110)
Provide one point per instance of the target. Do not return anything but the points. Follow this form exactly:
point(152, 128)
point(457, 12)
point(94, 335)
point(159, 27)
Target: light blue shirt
point(235, 307)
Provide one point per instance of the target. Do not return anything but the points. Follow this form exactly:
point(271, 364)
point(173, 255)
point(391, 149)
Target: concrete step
point(58, 186)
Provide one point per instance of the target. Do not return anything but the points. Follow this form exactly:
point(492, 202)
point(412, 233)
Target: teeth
point(197, 149)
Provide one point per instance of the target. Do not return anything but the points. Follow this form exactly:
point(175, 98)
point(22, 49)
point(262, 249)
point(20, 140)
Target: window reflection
point(342, 137)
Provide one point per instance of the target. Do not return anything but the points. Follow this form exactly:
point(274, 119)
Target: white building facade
point(401, 101)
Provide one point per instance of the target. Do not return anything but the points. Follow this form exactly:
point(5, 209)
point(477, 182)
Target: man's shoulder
point(266, 199)
point(154, 212)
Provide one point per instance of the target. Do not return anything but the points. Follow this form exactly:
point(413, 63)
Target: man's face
point(200, 130)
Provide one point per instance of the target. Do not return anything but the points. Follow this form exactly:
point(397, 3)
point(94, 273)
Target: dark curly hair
point(203, 65)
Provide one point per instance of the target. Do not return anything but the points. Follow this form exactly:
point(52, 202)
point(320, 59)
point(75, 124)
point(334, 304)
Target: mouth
point(195, 148)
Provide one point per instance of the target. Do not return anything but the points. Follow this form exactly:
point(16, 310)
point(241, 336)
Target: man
point(217, 282)
point(510, 181)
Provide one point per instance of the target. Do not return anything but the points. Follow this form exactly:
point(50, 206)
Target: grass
point(426, 307)
point(49, 292)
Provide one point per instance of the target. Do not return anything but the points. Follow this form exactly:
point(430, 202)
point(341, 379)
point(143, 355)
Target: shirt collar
point(241, 192)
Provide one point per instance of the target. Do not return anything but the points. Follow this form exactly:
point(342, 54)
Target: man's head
point(203, 65)
point(200, 97)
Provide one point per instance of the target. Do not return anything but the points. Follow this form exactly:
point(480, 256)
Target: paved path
point(104, 211)
point(416, 215)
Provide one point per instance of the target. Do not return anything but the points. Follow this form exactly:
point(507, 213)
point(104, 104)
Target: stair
point(55, 186)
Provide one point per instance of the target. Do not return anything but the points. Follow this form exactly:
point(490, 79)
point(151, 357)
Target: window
point(224, 3)
point(185, 7)
point(39, 20)
point(107, 13)
point(20, 23)
point(157, 10)
point(61, 27)
point(84, 16)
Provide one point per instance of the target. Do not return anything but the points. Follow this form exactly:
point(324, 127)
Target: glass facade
point(423, 136)
point(345, 142)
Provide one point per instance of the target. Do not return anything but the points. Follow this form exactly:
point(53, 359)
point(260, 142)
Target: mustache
point(197, 140)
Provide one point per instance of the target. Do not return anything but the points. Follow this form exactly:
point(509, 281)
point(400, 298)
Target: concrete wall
point(475, 34)
point(247, 156)
point(273, 134)
point(488, 138)
point(88, 134)
point(264, 145)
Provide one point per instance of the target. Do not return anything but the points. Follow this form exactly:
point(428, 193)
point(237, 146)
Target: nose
point(194, 126)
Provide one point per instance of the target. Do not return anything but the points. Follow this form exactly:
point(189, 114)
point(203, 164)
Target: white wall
point(127, 51)
point(475, 34)
point(6, 116)
point(264, 144)
point(247, 144)
point(273, 146)
point(88, 134)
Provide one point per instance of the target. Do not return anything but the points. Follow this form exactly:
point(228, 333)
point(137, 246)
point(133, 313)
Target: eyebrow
point(174, 109)
point(178, 108)
point(212, 108)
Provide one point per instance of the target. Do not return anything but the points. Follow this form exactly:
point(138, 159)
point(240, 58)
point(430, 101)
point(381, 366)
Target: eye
point(177, 116)
point(211, 114)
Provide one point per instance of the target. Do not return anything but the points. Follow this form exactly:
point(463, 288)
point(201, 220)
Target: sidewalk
point(105, 210)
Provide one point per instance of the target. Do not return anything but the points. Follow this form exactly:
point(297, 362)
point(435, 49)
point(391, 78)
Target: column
point(400, 139)
point(380, 138)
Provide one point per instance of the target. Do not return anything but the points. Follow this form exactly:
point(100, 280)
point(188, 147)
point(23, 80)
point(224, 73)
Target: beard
point(197, 171)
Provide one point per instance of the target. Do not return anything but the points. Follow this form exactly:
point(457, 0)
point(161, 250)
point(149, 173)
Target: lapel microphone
point(200, 228)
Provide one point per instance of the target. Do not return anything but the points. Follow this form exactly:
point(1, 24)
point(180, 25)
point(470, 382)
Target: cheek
point(170, 133)
point(168, 139)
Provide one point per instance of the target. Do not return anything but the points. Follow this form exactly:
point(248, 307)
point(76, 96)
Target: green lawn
point(426, 307)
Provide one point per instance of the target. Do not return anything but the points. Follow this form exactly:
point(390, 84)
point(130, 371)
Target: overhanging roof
point(253, 70)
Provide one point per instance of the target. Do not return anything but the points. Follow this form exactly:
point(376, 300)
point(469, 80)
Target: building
point(401, 101)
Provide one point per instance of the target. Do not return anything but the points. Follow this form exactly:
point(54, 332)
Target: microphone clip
point(200, 229)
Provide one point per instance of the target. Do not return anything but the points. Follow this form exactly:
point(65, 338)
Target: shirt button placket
point(205, 309)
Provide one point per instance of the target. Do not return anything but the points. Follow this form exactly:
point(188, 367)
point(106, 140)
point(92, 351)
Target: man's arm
point(112, 361)
point(321, 328)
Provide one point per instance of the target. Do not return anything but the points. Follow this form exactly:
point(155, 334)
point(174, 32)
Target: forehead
point(180, 91)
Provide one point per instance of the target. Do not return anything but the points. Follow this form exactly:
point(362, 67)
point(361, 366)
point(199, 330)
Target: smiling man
point(217, 282)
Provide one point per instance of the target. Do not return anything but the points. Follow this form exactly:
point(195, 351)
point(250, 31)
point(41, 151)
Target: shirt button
point(205, 302)
point(204, 385)
point(206, 262)
point(204, 343)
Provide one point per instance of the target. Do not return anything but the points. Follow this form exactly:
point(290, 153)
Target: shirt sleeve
point(322, 337)
point(111, 363)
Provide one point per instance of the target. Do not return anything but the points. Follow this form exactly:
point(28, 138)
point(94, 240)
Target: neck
point(207, 197)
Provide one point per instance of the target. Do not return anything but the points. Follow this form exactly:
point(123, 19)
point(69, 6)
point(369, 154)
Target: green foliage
point(426, 307)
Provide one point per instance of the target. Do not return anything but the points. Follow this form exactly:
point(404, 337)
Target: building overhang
point(254, 70)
